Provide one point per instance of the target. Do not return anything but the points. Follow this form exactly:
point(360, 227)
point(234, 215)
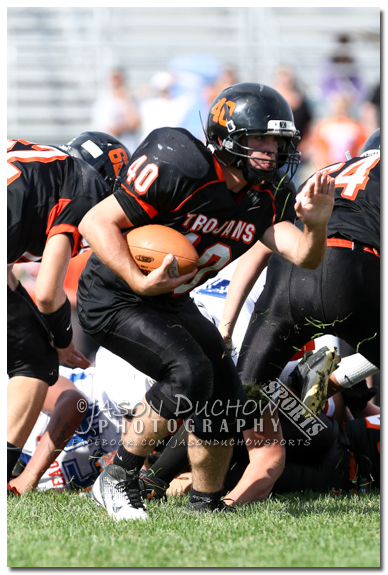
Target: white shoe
point(315, 371)
point(117, 490)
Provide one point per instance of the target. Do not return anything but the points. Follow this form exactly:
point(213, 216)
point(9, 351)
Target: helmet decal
point(219, 110)
point(118, 157)
point(92, 148)
point(102, 151)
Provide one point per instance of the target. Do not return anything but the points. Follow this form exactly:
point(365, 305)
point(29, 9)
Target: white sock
point(353, 369)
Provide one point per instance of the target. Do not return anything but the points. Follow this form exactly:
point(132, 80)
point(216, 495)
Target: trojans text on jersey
point(234, 229)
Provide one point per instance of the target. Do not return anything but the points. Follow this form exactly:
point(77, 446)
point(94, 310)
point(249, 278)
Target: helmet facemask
point(246, 109)
point(235, 145)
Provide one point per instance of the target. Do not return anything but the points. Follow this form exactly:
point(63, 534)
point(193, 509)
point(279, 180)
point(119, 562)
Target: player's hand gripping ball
point(150, 244)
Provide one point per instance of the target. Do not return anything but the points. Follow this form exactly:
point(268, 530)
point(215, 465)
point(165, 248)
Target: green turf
point(304, 530)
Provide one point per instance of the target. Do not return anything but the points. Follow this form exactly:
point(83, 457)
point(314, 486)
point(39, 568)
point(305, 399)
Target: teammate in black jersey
point(49, 190)
point(341, 297)
point(225, 196)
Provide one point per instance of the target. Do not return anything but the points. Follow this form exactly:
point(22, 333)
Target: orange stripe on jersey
point(219, 171)
point(193, 194)
point(55, 211)
point(150, 210)
point(28, 257)
point(67, 229)
point(221, 178)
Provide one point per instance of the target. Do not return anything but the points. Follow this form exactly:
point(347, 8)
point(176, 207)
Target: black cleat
point(201, 505)
point(151, 487)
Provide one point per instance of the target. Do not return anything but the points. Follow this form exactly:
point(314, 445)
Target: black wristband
point(59, 324)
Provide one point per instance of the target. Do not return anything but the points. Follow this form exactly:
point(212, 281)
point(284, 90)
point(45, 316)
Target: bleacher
point(58, 58)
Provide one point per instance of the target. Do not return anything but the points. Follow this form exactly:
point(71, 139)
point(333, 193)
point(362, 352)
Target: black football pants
point(341, 297)
point(186, 355)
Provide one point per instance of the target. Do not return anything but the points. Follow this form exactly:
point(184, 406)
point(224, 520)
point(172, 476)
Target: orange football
point(150, 244)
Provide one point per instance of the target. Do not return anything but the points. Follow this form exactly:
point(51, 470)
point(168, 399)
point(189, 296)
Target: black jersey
point(48, 193)
point(175, 181)
point(356, 212)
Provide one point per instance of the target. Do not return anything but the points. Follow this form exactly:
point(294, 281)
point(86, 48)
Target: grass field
point(310, 530)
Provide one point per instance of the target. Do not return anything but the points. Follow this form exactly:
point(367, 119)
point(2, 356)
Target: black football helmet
point(372, 145)
point(248, 109)
point(102, 151)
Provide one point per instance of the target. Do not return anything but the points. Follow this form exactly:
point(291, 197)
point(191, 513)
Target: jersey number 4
point(353, 178)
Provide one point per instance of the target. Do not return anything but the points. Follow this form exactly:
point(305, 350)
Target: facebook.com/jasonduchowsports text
point(221, 418)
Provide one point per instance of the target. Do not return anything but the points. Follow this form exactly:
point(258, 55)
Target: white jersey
point(112, 389)
point(212, 295)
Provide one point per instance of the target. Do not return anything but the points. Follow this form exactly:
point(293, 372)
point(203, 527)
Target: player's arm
point(49, 292)
point(313, 207)
point(52, 301)
point(102, 227)
point(267, 458)
point(63, 404)
point(12, 280)
point(248, 269)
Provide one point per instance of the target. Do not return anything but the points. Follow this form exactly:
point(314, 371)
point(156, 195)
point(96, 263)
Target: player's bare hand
point(159, 280)
point(314, 203)
point(226, 336)
point(71, 356)
point(180, 485)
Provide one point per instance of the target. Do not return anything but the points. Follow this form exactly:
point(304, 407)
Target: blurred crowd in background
point(181, 94)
